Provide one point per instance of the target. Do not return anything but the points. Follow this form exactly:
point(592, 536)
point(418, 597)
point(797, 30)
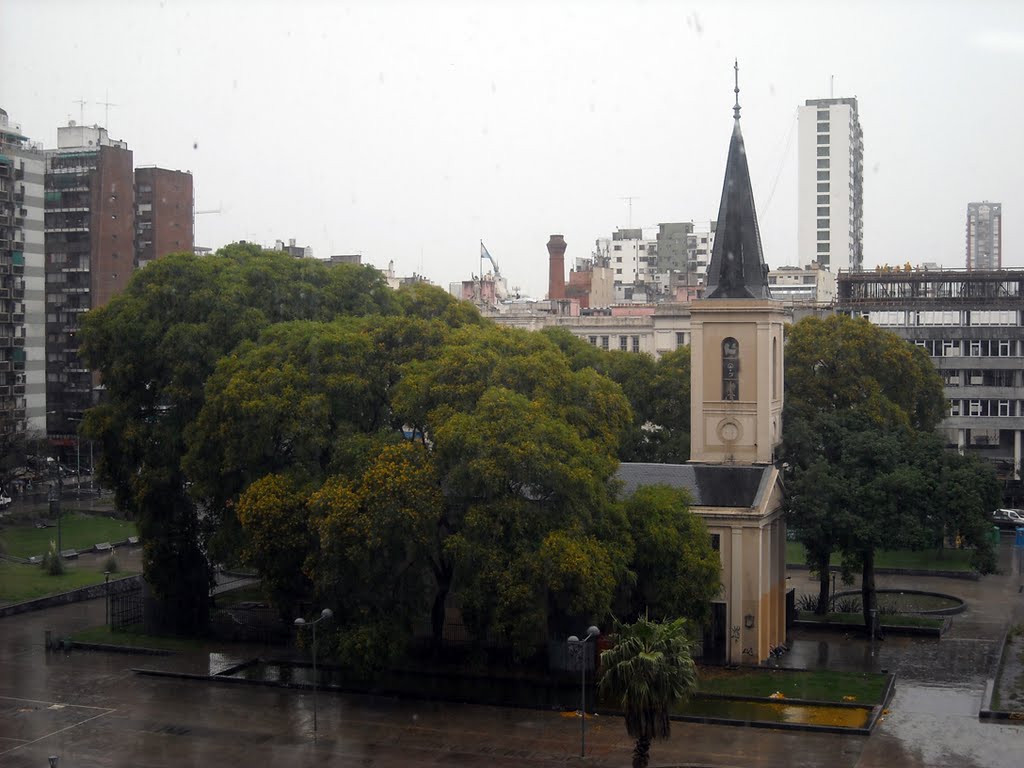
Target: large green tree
point(676, 571)
point(505, 481)
point(864, 468)
point(658, 392)
point(646, 673)
point(155, 346)
point(525, 451)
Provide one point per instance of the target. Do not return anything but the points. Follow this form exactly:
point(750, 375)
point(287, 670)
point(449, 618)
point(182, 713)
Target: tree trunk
point(642, 753)
point(868, 597)
point(823, 590)
point(443, 573)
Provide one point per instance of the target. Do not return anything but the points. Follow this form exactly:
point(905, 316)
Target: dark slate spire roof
point(737, 269)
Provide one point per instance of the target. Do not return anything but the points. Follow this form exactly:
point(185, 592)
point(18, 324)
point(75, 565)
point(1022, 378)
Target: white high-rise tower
point(830, 189)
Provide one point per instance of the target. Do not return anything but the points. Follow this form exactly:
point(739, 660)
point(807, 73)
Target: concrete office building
point(830, 185)
point(972, 325)
point(984, 236)
point(22, 283)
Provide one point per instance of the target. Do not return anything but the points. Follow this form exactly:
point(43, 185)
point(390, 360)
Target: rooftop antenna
point(630, 199)
point(106, 111)
point(831, 86)
point(81, 110)
point(736, 90)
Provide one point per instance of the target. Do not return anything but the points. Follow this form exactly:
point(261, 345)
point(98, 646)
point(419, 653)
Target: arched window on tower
point(730, 369)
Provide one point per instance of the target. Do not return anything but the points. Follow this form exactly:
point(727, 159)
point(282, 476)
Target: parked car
point(1008, 518)
point(5, 500)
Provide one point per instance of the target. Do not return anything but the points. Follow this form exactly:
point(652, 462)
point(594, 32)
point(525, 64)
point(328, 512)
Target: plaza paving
point(92, 710)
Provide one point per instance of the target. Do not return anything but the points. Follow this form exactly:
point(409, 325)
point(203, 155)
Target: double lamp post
point(582, 646)
point(326, 613)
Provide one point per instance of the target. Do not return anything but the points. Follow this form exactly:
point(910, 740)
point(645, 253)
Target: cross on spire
point(736, 90)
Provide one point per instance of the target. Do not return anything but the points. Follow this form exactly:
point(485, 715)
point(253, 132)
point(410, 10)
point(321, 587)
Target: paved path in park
point(90, 709)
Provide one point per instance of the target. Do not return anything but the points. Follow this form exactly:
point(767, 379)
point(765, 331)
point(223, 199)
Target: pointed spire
point(737, 269)
point(736, 90)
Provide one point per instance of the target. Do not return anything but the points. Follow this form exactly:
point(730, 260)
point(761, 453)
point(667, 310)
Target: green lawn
point(27, 582)
point(887, 620)
point(134, 638)
point(819, 685)
point(77, 532)
point(929, 559)
point(251, 594)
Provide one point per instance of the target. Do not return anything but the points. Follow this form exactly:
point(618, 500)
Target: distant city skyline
point(408, 133)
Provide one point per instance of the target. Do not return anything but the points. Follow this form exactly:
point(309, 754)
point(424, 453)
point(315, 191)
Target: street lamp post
point(300, 622)
point(581, 644)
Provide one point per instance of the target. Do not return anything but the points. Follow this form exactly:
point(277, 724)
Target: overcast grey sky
point(411, 130)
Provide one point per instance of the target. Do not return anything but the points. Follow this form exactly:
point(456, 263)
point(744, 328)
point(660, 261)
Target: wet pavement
point(92, 710)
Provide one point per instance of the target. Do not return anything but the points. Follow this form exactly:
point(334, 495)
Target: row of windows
point(967, 318)
point(972, 348)
point(626, 343)
point(984, 408)
point(978, 378)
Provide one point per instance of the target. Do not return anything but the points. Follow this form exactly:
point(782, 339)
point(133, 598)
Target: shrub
point(53, 563)
point(111, 564)
point(847, 605)
point(807, 602)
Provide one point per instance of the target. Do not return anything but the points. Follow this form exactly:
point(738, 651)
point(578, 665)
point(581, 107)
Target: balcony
point(84, 228)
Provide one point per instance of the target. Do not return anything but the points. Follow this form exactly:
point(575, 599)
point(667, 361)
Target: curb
point(986, 713)
point(966, 575)
point(894, 629)
point(129, 649)
point(874, 711)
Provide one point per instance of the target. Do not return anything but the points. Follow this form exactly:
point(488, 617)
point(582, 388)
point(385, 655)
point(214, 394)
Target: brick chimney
point(556, 269)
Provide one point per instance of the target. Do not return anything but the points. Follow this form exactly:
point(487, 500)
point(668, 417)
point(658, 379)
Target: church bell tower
point(736, 334)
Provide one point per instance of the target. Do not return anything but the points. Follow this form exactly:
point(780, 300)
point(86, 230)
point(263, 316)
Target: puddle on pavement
point(937, 700)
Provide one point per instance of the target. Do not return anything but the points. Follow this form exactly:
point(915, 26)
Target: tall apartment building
point(163, 213)
point(90, 255)
point(984, 235)
point(830, 187)
point(22, 330)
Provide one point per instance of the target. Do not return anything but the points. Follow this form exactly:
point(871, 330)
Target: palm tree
point(648, 671)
